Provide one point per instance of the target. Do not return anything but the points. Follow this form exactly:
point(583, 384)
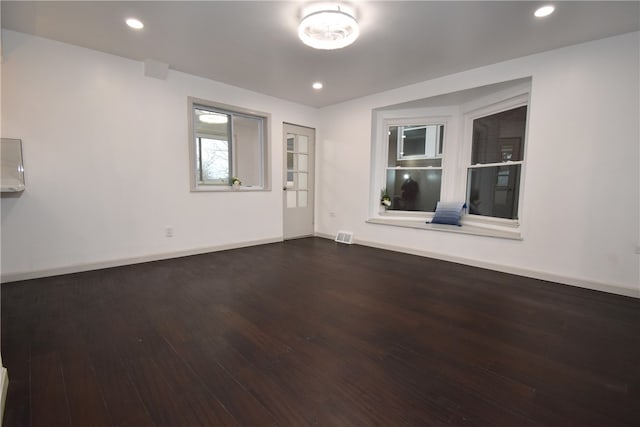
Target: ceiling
point(254, 45)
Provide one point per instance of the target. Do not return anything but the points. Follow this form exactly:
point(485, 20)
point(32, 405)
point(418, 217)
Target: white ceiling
point(254, 44)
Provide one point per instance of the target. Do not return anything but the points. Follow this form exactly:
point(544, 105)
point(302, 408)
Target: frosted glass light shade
point(328, 27)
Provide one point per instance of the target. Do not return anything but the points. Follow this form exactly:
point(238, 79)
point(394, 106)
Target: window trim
point(265, 149)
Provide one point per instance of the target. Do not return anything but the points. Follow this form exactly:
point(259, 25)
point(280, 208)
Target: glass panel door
point(298, 185)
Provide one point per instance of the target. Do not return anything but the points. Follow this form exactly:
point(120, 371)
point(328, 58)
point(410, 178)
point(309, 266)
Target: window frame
point(232, 111)
point(386, 119)
point(510, 103)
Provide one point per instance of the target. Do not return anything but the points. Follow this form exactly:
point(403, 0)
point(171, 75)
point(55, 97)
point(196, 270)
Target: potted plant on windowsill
point(235, 183)
point(385, 200)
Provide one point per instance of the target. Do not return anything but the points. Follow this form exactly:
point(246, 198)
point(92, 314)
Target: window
point(226, 142)
point(414, 167)
point(463, 146)
point(493, 177)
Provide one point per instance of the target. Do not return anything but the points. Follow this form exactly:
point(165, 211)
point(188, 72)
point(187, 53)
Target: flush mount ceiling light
point(317, 85)
point(328, 26)
point(135, 23)
point(544, 11)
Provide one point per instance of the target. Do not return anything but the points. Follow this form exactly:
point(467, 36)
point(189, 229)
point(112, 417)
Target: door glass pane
point(303, 144)
point(290, 141)
point(414, 190)
point(290, 176)
point(302, 181)
point(303, 162)
point(302, 199)
point(494, 190)
point(499, 137)
point(290, 162)
point(291, 199)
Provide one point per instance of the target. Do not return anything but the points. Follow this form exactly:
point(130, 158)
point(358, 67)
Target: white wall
point(107, 163)
point(580, 202)
point(106, 160)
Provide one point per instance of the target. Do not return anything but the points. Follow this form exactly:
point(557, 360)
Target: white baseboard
point(4, 386)
point(518, 271)
point(77, 268)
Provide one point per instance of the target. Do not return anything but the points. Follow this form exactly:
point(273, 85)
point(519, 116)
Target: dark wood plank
point(309, 332)
point(49, 400)
point(86, 403)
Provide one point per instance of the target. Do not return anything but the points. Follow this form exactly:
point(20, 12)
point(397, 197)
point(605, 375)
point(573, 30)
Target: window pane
point(494, 191)
point(414, 142)
point(414, 190)
point(499, 137)
point(247, 134)
point(214, 160)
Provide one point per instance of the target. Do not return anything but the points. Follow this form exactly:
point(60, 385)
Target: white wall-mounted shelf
point(12, 178)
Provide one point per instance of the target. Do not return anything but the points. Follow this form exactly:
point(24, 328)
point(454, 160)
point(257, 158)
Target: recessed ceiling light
point(317, 85)
point(328, 26)
point(134, 23)
point(544, 11)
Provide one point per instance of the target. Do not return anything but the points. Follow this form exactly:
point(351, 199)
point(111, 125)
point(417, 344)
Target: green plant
point(385, 200)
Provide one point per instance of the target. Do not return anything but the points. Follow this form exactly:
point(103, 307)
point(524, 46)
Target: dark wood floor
point(309, 332)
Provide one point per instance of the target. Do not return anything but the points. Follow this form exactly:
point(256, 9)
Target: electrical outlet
point(168, 232)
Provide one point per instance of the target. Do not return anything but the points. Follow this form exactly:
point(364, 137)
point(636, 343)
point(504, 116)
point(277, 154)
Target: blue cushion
point(448, 213)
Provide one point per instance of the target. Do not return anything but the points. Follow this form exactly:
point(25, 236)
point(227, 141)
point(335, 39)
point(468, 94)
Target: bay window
point(467, 146)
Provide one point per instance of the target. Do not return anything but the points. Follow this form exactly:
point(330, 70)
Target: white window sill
point(226, 189)
point(475, 230)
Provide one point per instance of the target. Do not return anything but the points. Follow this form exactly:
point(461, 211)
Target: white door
point(299, 148)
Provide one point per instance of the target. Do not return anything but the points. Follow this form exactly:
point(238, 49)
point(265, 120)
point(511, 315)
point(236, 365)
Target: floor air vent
point(344, 237)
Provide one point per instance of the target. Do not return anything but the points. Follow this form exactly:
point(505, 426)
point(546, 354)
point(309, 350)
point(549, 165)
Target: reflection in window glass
point(414, 190)
point(494, 191)
point(499, 137)
point(419, 141)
